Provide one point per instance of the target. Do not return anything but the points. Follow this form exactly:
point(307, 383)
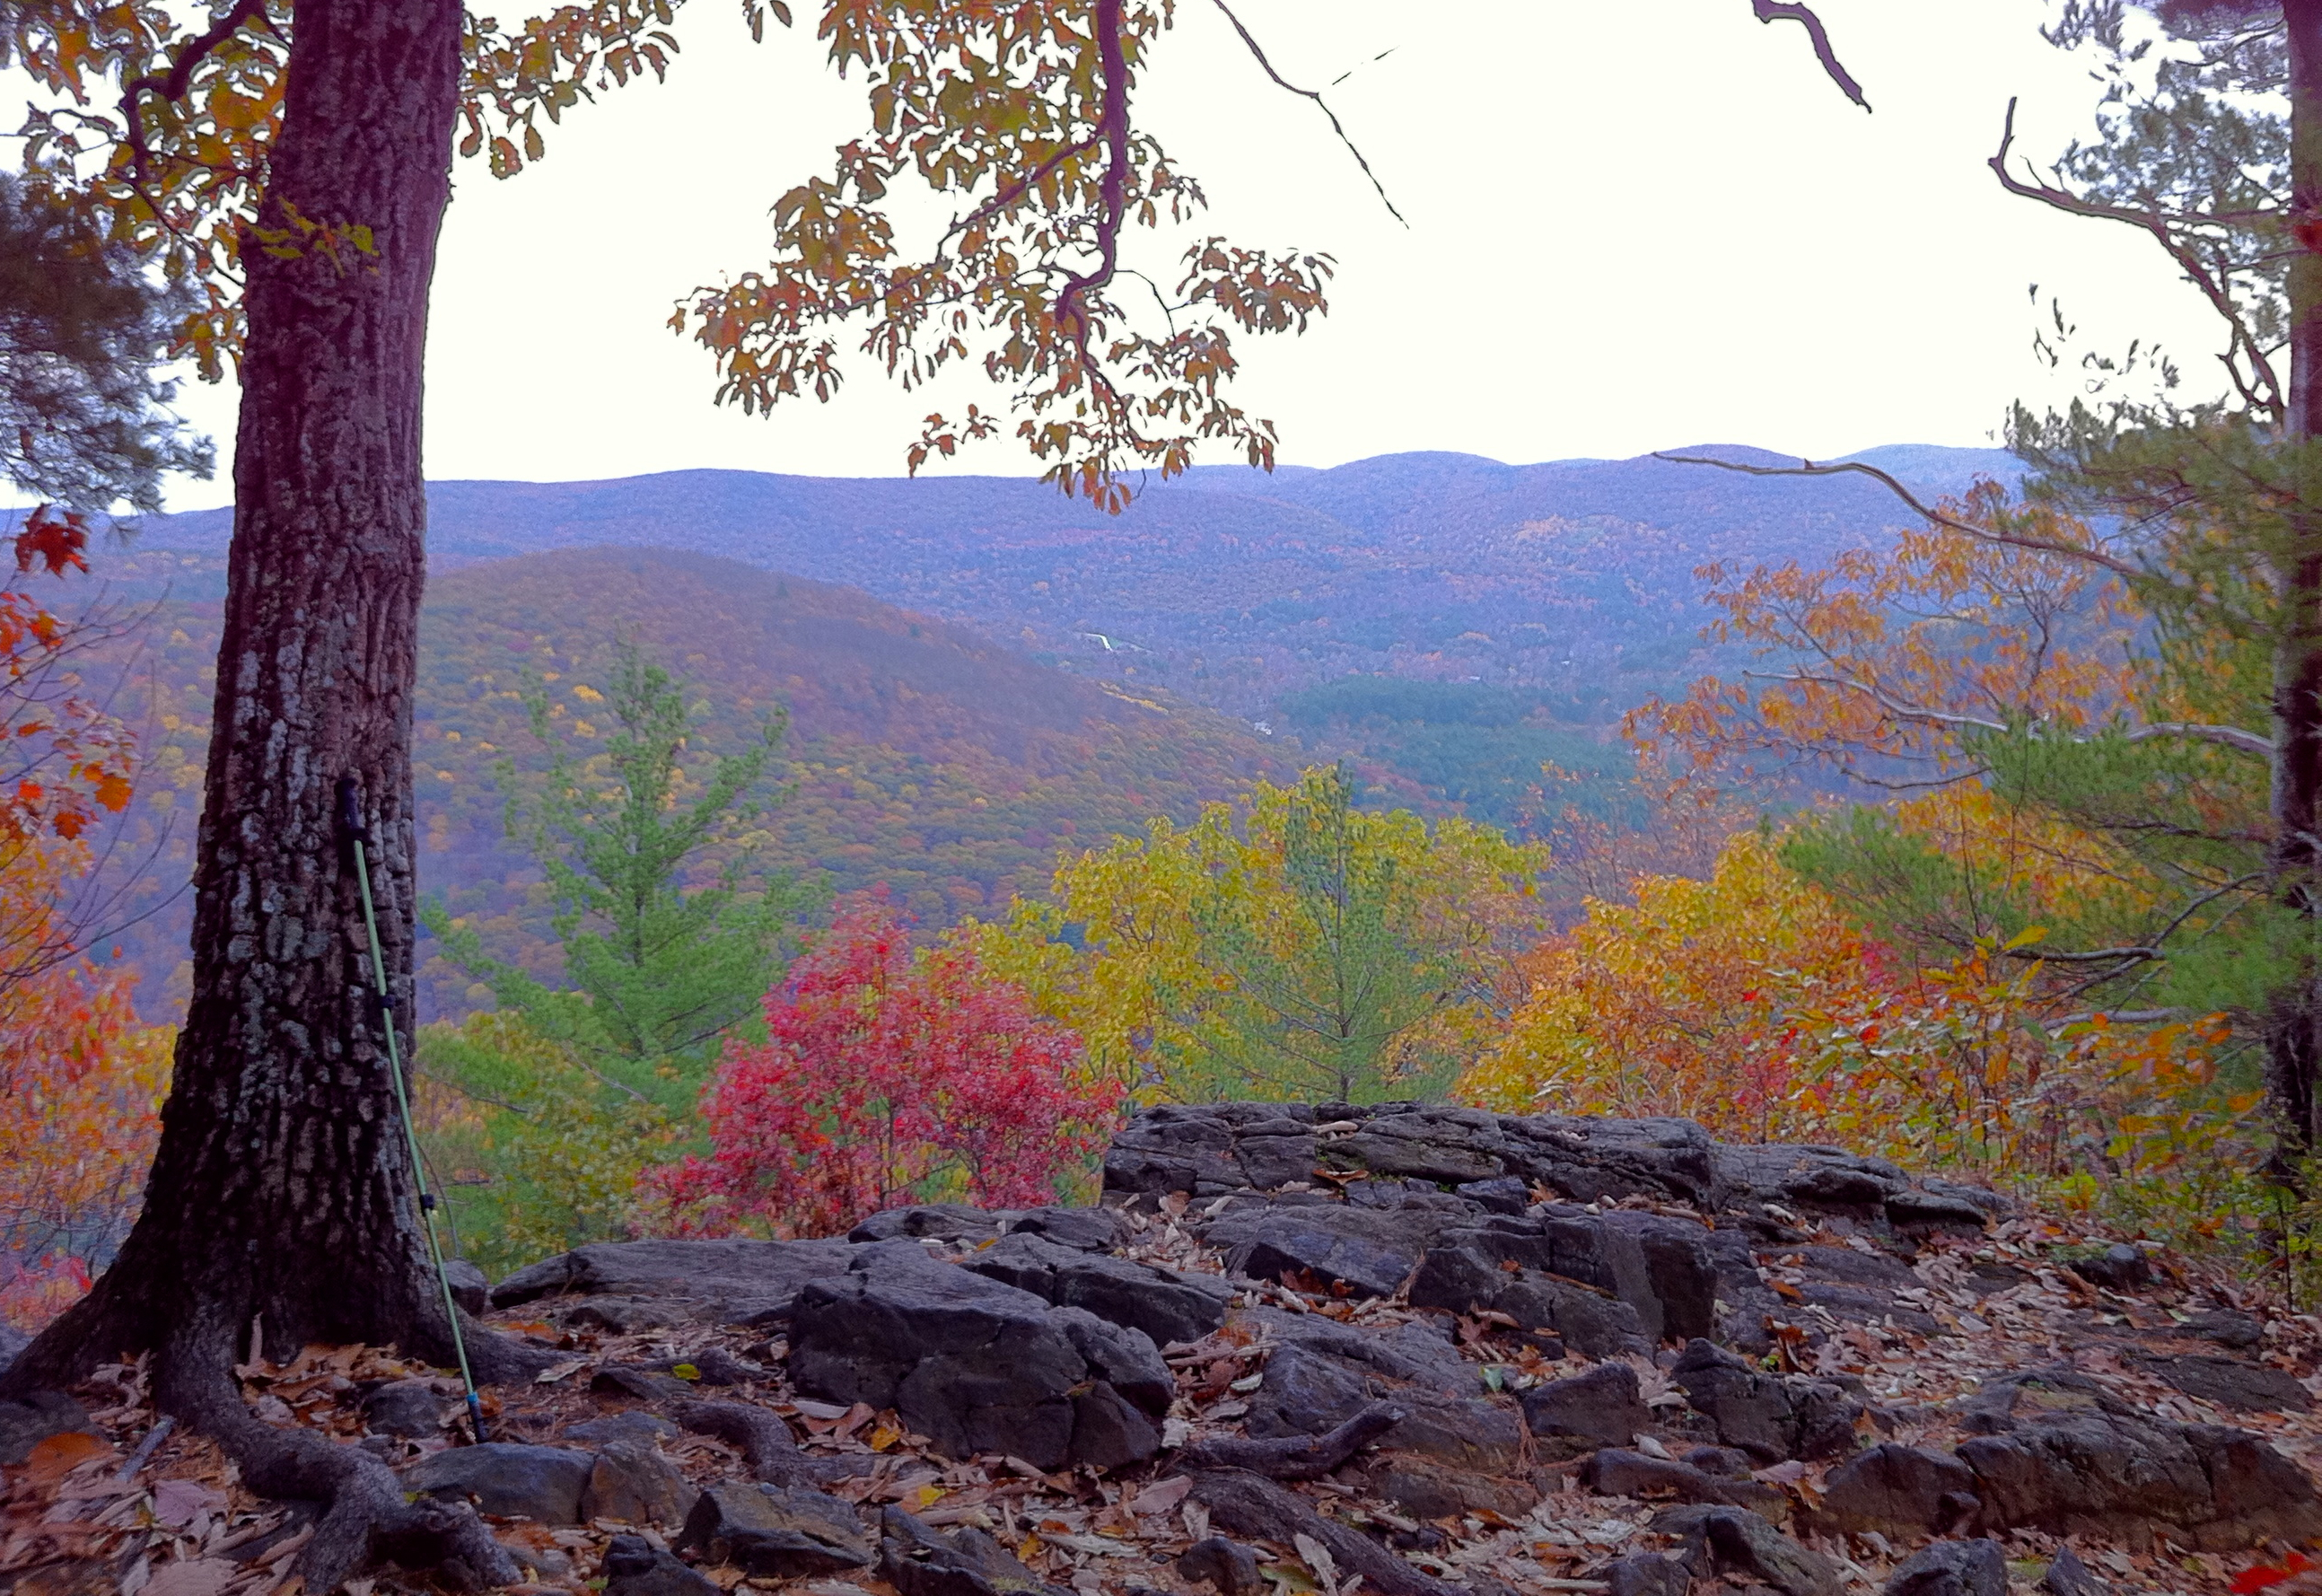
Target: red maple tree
point(887, 1077)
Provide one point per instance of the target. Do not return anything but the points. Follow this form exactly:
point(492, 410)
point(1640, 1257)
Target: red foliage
point(62, 758)
point(887, 1078)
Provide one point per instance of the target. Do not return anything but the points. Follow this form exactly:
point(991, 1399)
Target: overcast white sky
point(1631, 227)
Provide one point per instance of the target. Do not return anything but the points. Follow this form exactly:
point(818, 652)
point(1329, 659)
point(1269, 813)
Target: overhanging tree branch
point(2047, 545)
point(1781, 11)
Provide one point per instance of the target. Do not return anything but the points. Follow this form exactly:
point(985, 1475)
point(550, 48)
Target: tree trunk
point(281, 1200)
point(2294, 1047)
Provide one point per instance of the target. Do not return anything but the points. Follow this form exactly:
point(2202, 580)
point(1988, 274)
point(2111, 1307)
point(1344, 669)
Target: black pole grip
point(351, 821)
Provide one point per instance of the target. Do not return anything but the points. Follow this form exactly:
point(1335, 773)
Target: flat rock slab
point(1166, 1305)
point(735, 1282)
point(2230, 1383)
point(771, 1533)
point(543, 1483)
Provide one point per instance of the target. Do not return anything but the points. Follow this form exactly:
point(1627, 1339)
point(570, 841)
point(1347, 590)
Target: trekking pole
point(351, 821)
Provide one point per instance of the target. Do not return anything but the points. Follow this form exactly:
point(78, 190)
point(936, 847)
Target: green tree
point(83, 421)
point(1292, 945)
point(655, 969)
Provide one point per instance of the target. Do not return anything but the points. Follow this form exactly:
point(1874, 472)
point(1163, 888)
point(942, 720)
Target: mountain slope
point(923, 755)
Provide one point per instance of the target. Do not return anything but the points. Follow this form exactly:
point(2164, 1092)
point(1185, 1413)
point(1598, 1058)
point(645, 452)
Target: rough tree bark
point(280, 1202)
point(2294, 1045)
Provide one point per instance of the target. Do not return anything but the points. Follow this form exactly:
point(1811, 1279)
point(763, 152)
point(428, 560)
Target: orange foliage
point(80, 1091)
point(1750, 1003)
point(1888, 657)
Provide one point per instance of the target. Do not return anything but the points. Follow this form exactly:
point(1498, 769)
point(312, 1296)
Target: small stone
point(27, 1422)
point(1228, 1566)
point(1722, 1462)
point(775, 1534)
point(1953, 1568)
point(635, 1566)
point(1602, 1408)
point(541, 1483)
point(634, 1484)
point(1721, 1539)
point(412, 1408)
point(1646, 1574)
point(1108, 1432)
point(2118, 1268)
point(469, 1290)
point(2067, 1575)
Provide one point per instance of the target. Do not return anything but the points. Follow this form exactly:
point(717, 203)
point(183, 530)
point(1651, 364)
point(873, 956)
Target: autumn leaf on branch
point(1020, 117)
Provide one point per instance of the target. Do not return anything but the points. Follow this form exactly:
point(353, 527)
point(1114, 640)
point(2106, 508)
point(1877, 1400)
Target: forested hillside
point(925, 757)
point(1573, 580)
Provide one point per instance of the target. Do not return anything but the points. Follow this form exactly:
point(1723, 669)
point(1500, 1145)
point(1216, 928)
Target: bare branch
point(1315, 95)
point(2097, 956)
point(2159, 225)
point(1807, 468)
point(1781, 11)
point(2228, 737)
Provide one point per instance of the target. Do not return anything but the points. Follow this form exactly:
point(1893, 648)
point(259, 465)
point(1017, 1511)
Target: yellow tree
point(1290, 945)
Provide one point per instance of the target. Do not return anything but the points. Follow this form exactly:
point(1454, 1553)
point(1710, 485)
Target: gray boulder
point(410, 1409)
point(1465, 1275)
point(2119, 1476)
point(971, 1363)
point(1895, 1490)
point(632, 1482)
point(470, 1288)
point(635, 1566)
point(1953, 1568)
point(1369, 1252)
point(1772, 1418)
point(541, 1483)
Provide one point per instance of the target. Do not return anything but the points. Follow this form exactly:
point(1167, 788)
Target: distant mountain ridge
point(1237, 587)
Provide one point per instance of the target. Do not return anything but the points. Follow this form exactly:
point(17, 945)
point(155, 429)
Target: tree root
point(365, 1517)
point(1257, 1509)
point(763, 1440)
point(1295, 1457)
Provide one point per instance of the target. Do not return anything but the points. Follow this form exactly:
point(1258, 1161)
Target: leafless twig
point(1314, 95)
